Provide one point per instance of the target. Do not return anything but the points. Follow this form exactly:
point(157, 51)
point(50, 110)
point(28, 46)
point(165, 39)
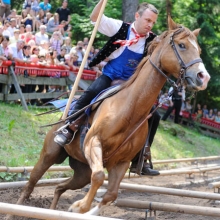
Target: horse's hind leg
point(115, 176)
point(93, 154)
point(81, 177)
point(50, 154)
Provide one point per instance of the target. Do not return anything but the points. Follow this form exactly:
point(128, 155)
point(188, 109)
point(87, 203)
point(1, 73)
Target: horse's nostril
point(200, 75)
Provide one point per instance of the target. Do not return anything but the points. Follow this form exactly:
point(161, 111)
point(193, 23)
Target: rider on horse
point(125, 49)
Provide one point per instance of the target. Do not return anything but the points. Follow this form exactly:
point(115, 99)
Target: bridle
point(183, 66)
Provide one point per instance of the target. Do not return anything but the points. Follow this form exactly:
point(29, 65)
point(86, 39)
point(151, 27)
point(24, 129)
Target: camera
point(80, 48)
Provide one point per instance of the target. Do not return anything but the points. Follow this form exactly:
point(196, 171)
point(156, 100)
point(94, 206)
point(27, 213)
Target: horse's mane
point(151, 47)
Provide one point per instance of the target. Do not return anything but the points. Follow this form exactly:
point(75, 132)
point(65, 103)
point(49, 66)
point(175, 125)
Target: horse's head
point(180, 56)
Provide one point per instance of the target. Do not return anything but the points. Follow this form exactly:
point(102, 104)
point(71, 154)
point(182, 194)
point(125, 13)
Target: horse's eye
point(182, 46)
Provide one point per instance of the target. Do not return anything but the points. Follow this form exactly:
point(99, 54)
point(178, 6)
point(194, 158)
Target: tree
point(129, 8)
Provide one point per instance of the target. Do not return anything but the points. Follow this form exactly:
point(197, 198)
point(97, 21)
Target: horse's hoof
point(73, 209)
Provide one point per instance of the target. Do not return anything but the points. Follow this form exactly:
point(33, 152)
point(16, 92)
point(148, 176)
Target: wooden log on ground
point(169, 207)
point(66, 168)
point(186, 160)
point(40, 183)
point(30, 168)
point(214, 185)
point(167, 191)
point(40, 213)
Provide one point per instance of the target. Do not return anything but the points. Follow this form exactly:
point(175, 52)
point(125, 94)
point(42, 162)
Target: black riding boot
point(147, 168)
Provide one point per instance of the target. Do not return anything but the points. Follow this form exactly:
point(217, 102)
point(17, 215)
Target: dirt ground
point(42, 197)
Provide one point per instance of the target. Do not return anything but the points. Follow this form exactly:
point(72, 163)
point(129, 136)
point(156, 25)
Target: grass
point(22, 138)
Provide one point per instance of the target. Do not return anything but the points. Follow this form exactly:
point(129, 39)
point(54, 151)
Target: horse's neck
point(146, 87)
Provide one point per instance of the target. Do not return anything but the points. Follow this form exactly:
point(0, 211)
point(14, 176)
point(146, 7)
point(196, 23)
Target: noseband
point(183, 66)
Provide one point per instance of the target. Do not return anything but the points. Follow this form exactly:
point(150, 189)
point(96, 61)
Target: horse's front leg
point(93, 154)
point(115, 176)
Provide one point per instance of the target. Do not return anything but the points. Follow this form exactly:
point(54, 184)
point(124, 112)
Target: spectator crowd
point(200, 111)
point(37, 36)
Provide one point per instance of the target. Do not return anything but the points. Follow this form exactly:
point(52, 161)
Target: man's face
point(13, 23)
point(42, 30)
point(65, 4)
point(20, 45)
point(145, 23)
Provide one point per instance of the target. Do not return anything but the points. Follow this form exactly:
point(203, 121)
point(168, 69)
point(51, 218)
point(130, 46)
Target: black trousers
point(177, 106)
point(101, 83)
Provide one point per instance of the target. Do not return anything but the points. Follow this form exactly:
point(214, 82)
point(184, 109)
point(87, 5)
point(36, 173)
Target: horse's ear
point(196, 32)
point(171, 24)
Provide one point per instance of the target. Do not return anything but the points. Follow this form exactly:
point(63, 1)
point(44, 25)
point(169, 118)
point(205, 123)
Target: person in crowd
point(27, 5)
point(78, 49)
point(15, 16)
point(165, 99)
point(91, 54)
point(215, 111)
point(2, 54)
point(47, 17)
point(145, 18)
point(35, 7)
point(15, 37)
point(217, 117)
point(53, 24)
point(198, 112)
point(61, 56)
point(41, 36)
point(26, 18)
point(12, 27)
point(22, 29)
point(68, 45)
point(5, 31)
point(86, 40)
point(5, 48)
point(210, 115)
point(56, 41)
point(40, 19)
point(27, 52)
point(175, 103)
point(44, 46)
point(5, 9)
point(205, 111)
point(45, 6)
point(16, 54)
point(27, 88)
point(17, 51)
point(64, 14)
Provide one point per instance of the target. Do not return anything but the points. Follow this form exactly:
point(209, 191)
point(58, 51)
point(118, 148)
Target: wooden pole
point(167, 191)
point(18, 89)
point(84, 61)
point(40, 213)
point(170, 207)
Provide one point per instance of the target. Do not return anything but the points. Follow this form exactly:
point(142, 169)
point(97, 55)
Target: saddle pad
point(63, 102)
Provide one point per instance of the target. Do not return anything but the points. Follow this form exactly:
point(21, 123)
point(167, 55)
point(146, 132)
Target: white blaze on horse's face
point(202, 74)
point(193, 42)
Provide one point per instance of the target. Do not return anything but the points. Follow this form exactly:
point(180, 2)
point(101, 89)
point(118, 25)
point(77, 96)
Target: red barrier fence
point(45, 71)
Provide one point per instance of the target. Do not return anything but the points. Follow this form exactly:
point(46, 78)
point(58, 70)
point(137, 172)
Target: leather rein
point(181, 77)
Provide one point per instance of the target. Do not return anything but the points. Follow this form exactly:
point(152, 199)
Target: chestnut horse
point(175, 52)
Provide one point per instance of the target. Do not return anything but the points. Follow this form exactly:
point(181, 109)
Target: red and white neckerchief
point(130, 42)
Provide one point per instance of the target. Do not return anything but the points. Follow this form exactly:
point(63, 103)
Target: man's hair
point(143, 6)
